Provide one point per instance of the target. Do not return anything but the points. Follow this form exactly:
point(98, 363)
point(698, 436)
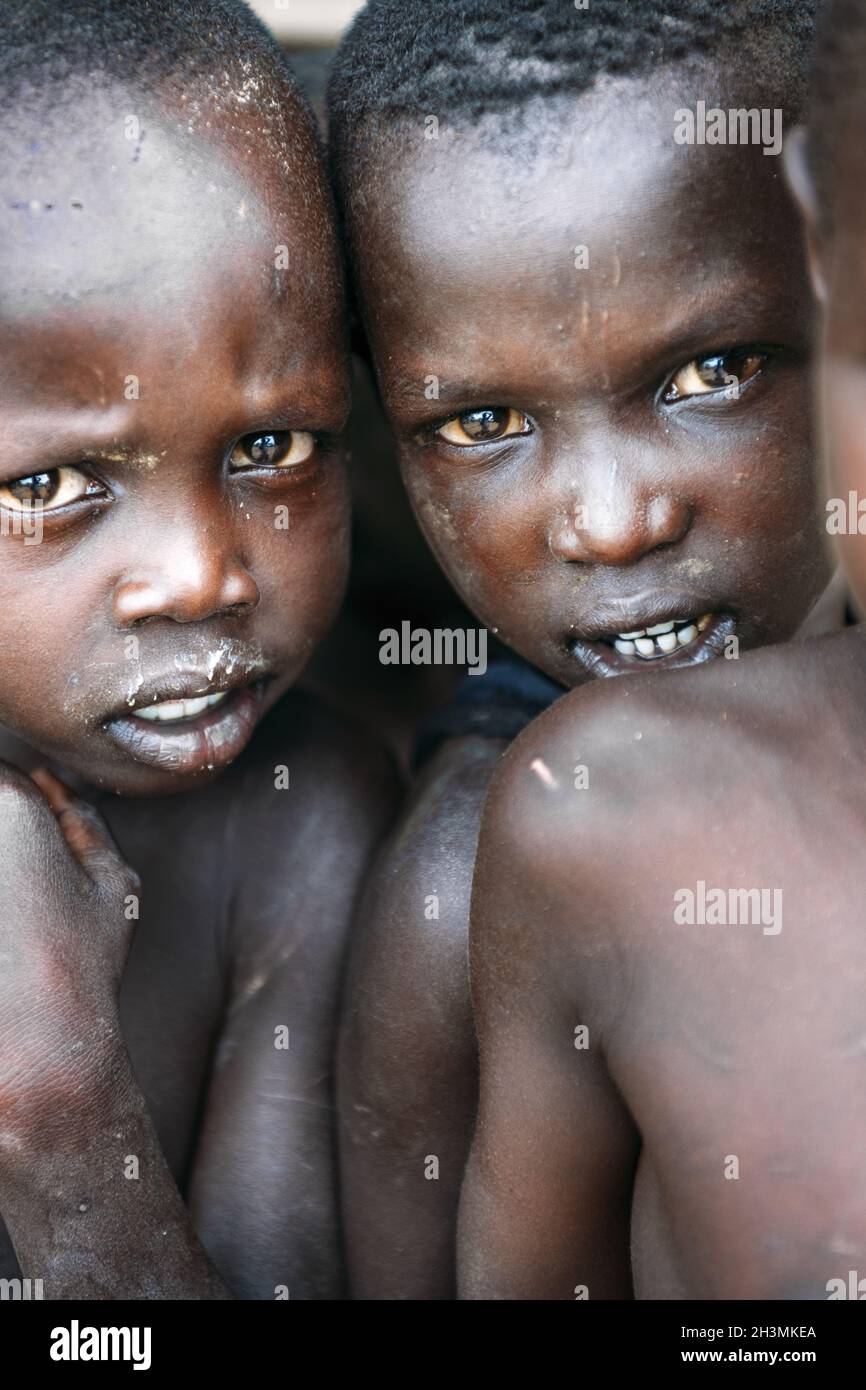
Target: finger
point(83, 828)
point(56, 792)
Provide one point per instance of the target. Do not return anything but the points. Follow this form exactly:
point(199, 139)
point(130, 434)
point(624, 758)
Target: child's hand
point(66, 897)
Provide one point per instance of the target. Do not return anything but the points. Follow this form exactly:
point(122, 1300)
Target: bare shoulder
point(408, 982)
point(431, 852)
point(413, 927)
point(594, 794)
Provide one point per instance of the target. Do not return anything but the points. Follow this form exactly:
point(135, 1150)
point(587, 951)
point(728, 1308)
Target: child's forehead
point(602, 172)
point(124, 203)
point(127, 242)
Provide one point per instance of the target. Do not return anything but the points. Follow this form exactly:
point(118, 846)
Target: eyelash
point(93, 489)
point(311, 442)
point(749, 352)
point(757, 352)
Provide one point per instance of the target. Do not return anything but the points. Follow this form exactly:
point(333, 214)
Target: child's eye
point(47, 491)
point(483, 426)
point(283, 449)
point(717, 372)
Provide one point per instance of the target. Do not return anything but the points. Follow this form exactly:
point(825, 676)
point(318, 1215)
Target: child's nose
point(187, 581)
point(616, 522)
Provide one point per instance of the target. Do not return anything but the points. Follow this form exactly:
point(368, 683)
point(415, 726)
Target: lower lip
point(210, 741)
point(600, 659)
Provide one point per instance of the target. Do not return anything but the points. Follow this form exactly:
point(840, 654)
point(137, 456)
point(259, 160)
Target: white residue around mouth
point(136, 686)
point(226, 657)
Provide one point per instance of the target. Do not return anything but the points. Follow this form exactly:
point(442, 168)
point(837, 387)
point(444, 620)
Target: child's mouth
point(661, 641)
point(193, 733)
point(175, 711)
point(651, 643)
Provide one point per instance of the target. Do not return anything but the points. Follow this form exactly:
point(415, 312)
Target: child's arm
point(262, 1190)
point(546, 1203)
point(408, 1066)
point(90, 1205)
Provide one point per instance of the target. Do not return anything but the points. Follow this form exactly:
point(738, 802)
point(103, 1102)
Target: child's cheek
point(300, 547)
point(477, 516)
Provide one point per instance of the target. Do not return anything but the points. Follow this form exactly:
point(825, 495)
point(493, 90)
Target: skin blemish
point(694, 566)
point(439, 518)
point(133, 458)
point(543, 773)
point(139, 682)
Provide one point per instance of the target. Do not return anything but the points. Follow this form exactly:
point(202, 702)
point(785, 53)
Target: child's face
point(170, 390)
point(584, 472)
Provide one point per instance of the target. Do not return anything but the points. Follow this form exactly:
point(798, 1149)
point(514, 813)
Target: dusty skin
point(162, 576)
point(707, 1045)
point(591, 376)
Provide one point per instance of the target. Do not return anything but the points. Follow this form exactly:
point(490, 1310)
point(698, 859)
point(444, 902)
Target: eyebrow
point(61, 434)
point(720, 317)
point(61, 431)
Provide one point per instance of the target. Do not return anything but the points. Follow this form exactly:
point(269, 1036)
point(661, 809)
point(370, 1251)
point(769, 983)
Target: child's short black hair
point(142, 45)
point(838, 84)
point(462, 58)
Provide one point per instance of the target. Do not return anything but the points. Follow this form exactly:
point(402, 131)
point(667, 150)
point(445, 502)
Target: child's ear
point(802, 185)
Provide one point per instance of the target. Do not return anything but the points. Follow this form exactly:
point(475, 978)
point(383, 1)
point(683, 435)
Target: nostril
point(239, 609)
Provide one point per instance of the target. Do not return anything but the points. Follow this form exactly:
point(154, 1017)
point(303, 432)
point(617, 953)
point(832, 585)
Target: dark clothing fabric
point(499, 704)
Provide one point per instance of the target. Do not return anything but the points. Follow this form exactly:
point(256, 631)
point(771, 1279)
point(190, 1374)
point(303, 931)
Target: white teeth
point(167, 711)
point(662, 639)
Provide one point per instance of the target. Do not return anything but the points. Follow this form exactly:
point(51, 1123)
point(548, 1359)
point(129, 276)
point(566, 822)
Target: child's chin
point(155, 783)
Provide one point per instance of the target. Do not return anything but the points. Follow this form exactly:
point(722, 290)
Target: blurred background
point(308, 30)
point(306, 23)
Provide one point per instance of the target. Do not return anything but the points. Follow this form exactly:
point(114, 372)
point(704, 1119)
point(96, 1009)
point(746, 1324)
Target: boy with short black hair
point(668, 966)
point(591, 341)
point(173, 377)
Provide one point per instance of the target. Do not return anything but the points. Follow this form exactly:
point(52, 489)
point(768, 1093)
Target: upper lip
point(182, 685)
point(632, 615)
